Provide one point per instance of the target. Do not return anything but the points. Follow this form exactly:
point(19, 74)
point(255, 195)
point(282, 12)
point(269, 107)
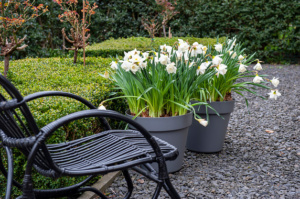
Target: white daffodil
point(217, 60)
point(134, 52)
point(178, 55)
point(182, 45)
point(257, 66)
point(232, 54)
point(134, 68)
point(241, 57)
point(232, 42)
point(274, 94)
point(143, 64)
point(165, 48)
point(191, 64)
point(203, 122)
point(126, 65)
point(221, 69)
point(114, 65)
point(145, 55)
point(275, 81)
point(186, 56)
point(258, 79)
point(126, 56)
point(196, 49)
point(163, 59)
point(101, 107)
point(204, 49)
point(106, 75)
point(201, 69)
point(218, 47)
point(242, 68)
point(171, 68)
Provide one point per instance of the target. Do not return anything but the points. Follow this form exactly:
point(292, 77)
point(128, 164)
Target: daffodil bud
point(203, 122)
point(101, 107)
point(275, 81)
point(106, 75)
point(257, 79)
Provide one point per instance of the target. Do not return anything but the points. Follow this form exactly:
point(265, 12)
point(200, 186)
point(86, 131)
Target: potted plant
point(158, 87)
point(232, 75)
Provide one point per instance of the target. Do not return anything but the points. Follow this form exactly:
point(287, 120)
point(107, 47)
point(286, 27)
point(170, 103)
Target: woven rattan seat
point(105, 151)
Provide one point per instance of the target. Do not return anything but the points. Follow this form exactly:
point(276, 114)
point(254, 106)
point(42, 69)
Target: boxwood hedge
point(113, 47)
point(60, 74)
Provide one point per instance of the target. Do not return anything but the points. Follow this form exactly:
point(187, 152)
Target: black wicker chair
point(101, 153)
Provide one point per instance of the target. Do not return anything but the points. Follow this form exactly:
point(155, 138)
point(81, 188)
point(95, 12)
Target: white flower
point(257, 66)
point(221, 69)
point(126, 65)
point(274, 94)
point(145, 55)
point(106, 75)
point(204, 49)
point(183, 46)
point(165, 48)
point(201, 69)
point(217, 60)
point(136, 59)
point(163, 59)
point(143, 64)
point(233, 43)
point(275, 81)
point(257, 79)
point(218, 47)
point(242, 68)
point(203, 122)
point(178, 55)
point(241, 57)
point(101, 107)
point(134, 68)
point(171, 68)
point(196, 49)
point(114, 65)
point(233, 54)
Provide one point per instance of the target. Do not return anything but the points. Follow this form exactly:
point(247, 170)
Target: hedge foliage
point(113, 47)
point(270, 28)
point(60, 74)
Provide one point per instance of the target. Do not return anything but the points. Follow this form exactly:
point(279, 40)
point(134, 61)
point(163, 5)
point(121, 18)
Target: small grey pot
point(210, 139)
point(173, 130)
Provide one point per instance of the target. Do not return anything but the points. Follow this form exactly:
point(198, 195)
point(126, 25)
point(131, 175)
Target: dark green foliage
point(34, 75)
point(268, 27)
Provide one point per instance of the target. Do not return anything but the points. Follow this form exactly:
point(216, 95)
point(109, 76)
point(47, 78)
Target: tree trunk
point(164, 29)
point(6, 64)
point(75, 56)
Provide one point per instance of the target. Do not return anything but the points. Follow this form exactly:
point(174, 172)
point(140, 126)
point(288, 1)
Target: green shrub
point(113, 47)
point(59, 74)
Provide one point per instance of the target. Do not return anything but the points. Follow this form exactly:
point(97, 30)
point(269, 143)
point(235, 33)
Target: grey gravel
point(253, 163)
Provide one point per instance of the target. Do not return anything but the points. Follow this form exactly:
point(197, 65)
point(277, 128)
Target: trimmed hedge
point(113, 47)
point(60, 74)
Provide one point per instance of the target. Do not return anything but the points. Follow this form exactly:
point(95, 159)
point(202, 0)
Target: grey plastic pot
point(211, 138)
point(173, 130)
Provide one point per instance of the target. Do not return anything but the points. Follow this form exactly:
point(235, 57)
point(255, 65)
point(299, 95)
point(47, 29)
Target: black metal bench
point(101, 153)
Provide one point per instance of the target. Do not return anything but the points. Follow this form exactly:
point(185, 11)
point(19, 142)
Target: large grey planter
point(173, 130)
point(211, 138)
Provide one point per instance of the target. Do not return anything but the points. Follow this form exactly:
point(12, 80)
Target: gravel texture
point(254, 163)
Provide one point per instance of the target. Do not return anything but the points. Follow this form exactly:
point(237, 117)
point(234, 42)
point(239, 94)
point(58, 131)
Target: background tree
point(14, 15)
point(79, 24)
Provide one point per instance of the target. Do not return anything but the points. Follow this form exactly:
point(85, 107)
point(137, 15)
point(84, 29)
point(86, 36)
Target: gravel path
point(253, 163)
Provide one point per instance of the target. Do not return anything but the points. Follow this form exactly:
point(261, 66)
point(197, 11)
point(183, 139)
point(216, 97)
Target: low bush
point(113, 47)
point(60, 74)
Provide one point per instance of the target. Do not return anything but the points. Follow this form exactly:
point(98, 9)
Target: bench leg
point(129, 183)
point(10, 172)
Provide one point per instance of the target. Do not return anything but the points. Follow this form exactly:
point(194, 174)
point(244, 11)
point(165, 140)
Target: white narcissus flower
point(178, 55)
point(275, 81)
point(143, 64)
point(191, 64)
point(233, 42)
point(106, 75)
point(101, 107)
point(201, 69)
point(203, 122)
point(257, 66)
point(221, 69)
point(242, 68)
point(241, 57)
point(114, 65)
point(196, 49)
point(258, 79)
point(182, 45)
point(145, 55)
point(274, 94)
point(134, 68)
point(217, 60)
point(136, 59)
point(126, 65)
point(163, 59)
point(171, 68)
point(165, 48)
point(218, 47)
point(233, 54)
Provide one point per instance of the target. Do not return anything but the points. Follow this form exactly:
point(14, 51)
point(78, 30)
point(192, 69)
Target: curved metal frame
point(37, 142)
